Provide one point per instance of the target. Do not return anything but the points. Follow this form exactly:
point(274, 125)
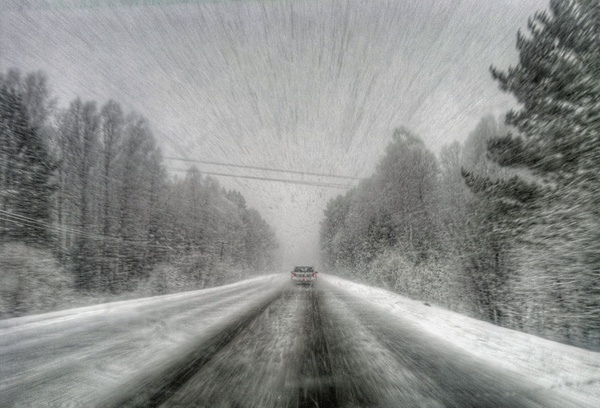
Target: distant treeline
point(88, 184)
point(507, 225)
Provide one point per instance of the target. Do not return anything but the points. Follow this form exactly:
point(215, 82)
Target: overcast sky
point(314, 85)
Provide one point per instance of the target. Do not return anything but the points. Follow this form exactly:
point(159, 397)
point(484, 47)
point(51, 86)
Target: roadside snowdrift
point(569, 370)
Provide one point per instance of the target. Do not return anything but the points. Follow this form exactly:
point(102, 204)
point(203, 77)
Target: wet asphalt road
point(320, 347)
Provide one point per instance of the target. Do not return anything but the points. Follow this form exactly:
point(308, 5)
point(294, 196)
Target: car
point(304, 275)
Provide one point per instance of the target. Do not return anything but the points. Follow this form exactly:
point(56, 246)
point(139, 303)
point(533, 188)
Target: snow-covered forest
point(505, 226)
point(87, 207)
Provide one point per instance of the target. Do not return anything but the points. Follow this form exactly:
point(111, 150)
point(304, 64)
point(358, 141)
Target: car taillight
point(293, 275)
point(314, 275)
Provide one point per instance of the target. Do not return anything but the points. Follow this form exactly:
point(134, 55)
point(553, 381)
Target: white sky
point(314, 85)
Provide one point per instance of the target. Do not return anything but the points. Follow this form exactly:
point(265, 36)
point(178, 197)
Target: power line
point(279, 180)
point(307, 173)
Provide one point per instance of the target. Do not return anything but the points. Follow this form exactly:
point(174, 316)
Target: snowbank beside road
point(571, 371)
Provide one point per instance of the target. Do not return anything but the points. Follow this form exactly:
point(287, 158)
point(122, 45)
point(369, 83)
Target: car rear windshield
point(303, 269)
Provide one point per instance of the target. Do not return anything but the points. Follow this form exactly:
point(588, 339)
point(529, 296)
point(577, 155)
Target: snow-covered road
point(75, 357)
point(261, 343)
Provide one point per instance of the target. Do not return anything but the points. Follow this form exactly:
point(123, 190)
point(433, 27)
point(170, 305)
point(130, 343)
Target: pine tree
point(557, 143)
point(557, 82)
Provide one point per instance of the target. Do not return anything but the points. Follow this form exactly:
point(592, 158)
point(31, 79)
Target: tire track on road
point(442, 374)
point(153, 389)
point(257, 368)
point(317, 386)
